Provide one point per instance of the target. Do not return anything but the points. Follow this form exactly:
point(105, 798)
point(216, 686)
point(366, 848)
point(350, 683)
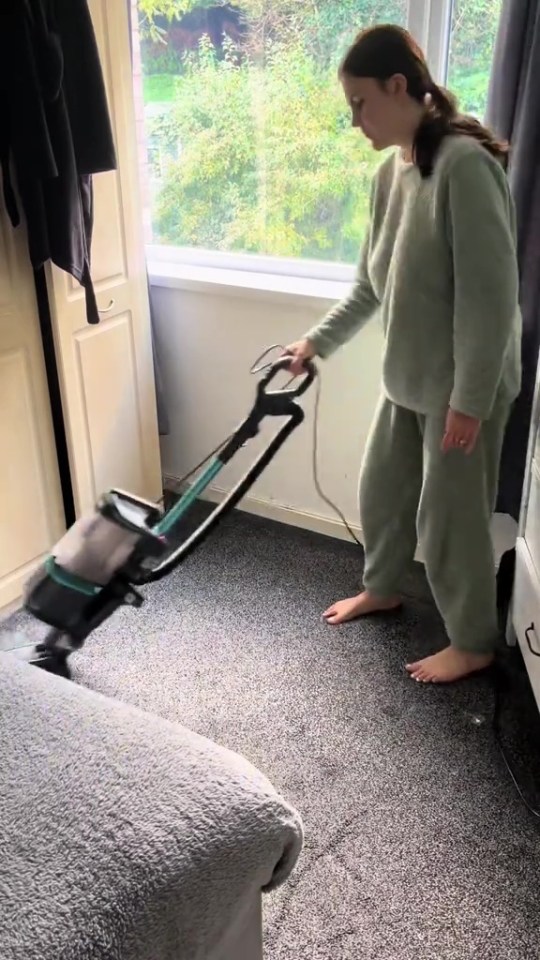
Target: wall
point(207, 343)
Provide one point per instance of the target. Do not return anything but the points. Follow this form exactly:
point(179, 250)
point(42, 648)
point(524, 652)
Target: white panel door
point(31, 511)
point(106, 370)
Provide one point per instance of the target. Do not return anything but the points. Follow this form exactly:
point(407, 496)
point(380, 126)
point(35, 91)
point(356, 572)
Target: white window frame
point(430, 22)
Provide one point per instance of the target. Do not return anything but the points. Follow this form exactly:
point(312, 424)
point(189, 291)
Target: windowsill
point(244, 283)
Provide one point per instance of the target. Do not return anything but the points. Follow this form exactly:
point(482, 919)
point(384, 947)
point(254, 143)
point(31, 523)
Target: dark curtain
point(514, 113)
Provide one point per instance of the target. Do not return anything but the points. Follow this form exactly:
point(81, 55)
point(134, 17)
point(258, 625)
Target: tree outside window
point(250, 137)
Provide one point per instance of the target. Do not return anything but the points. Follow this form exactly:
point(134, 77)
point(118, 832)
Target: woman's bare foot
point(448, 666)
point(363, 605)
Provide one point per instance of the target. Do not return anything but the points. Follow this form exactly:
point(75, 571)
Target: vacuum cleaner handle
point(293, 389)
point(202, 532)
point(269, 403)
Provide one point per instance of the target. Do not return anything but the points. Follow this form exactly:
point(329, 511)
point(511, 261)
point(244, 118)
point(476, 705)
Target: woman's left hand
point(461, 432)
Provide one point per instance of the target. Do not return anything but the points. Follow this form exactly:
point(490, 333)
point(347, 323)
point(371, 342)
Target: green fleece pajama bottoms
point(412, 493)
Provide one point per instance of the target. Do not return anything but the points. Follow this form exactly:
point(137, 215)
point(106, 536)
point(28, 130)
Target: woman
point(439, 266)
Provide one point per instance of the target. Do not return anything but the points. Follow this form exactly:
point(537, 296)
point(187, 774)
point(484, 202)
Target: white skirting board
point(270, 510)
point(504, 528)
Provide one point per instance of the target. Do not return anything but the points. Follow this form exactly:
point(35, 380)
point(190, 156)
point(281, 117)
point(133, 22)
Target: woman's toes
point(449, 665)
point(419, 671)
point(363, 605)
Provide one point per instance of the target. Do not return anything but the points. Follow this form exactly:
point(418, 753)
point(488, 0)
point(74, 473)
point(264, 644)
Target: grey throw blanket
point(124, 836)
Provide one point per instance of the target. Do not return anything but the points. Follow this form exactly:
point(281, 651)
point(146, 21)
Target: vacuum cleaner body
point(126, 542)
point(89, 571)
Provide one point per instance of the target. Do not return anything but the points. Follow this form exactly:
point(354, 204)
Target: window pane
point(248, 138)
point(474, 30)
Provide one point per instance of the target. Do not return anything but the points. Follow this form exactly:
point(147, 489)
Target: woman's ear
point(397, 85)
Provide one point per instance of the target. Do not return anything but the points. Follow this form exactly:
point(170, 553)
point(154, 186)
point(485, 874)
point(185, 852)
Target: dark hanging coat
point(55, 130)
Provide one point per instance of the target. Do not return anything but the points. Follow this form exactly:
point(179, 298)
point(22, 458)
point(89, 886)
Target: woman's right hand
point(300, 351)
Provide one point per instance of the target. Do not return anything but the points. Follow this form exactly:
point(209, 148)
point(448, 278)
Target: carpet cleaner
point(127, 542)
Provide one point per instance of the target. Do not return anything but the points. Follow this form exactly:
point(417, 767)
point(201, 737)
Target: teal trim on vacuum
point(70, 580)
point(175, 513)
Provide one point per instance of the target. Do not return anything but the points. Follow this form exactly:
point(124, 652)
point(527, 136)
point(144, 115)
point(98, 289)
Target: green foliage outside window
point(259, 153)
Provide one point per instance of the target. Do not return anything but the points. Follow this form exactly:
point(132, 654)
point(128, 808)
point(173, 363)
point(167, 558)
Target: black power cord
point(500, 684)
point(179, 483)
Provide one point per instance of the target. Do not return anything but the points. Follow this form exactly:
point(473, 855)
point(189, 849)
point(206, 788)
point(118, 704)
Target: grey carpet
point(417, 845)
